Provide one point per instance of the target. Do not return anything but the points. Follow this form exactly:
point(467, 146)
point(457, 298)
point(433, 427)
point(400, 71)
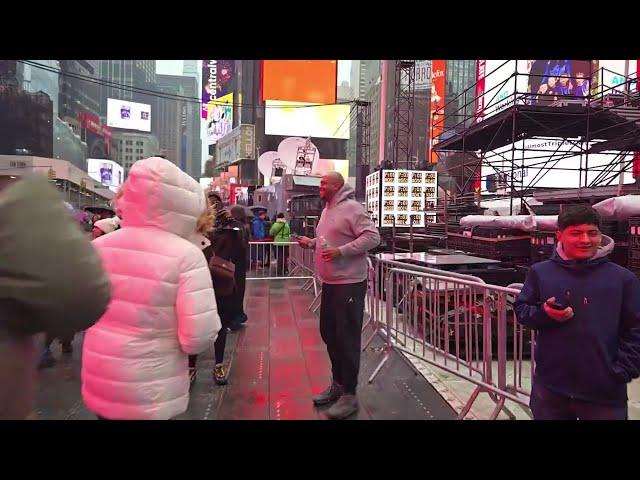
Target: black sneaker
point(346, 406)
point(192, 376)
point(220, 375)
point(330, 395)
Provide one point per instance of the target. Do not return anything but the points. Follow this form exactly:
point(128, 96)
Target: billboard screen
point(436, 117)
point(613, 75)
point(128, 115)
point(538, 82)
point(310, 81)
point(305, 120)
point(219, 118)
point(217, 81)
point(533, 168)
point(106, 172)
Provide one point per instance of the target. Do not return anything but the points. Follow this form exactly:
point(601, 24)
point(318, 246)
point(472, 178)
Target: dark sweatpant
point(548, 405)
point(341, 313)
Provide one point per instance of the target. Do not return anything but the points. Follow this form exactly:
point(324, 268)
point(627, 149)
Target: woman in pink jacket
point(134, 363)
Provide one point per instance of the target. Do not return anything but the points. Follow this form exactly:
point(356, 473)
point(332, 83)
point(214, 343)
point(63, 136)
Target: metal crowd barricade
point(378, 270)
point(457, 323)
point(283, 261)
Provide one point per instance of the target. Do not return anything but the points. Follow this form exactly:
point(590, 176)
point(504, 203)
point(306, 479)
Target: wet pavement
point(275, 365)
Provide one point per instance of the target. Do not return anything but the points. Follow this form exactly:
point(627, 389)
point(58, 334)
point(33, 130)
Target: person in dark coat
point(226, 242)
point(67, 291)
point(239, 214)
point(586, 312)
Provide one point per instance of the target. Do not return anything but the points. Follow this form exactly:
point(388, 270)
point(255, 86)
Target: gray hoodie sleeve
point(365, 231)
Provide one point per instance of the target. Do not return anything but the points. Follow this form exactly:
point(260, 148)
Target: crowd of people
point(162, 280)
point(147, 292)
point(156, 281)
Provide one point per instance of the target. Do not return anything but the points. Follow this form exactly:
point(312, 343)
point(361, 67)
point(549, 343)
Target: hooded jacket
point(134, 363)
point(280, 231)
point(593, 355)
point(55, 286)
point(344, 224)
point(258, 229)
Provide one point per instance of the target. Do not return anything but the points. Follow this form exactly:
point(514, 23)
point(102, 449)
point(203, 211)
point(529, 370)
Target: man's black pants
point(548, 405)
point(341, 313)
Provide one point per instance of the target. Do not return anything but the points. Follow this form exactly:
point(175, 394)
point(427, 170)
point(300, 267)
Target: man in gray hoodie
point(344, 235)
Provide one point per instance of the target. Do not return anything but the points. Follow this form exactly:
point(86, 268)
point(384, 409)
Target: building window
point(128, 157)
point(129, 142)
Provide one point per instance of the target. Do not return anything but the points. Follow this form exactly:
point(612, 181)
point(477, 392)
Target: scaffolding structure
point(362, 121)
point(405, 88)
point(531, 133)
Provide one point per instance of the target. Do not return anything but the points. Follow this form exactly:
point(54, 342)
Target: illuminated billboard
point(436, 114)
point(217, 81)
point(537, 82)
point(106, 172)
point(310, 81)
point(305, 120)
point(613, 75)
point(128, 115)
point(533, 168)
point(404, 196)
point(219, 118)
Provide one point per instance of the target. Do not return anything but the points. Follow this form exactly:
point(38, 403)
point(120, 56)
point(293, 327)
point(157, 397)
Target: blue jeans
point(548, 405)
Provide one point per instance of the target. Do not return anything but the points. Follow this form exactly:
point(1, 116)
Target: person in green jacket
point(281, 233)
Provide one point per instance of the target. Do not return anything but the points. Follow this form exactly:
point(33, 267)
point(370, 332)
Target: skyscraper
point(125, 74)
point(177, 123)
point(190, 69)
point(364, 73)
point(76, 94)
point(460, 75)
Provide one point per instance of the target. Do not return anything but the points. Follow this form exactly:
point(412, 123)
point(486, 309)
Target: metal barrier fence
point(284, 261)
point(455, 322)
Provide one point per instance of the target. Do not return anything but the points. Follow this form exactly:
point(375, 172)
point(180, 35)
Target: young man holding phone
point(586, 311)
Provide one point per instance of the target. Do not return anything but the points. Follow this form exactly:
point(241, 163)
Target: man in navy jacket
point(586, 311)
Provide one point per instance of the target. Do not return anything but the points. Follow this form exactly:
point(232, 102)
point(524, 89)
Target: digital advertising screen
point(548, 163)
point(219, 118)
point(128, 115)
point(310, 81)
point(307, 120)
point(537, 82)
point(436, 117)
point(106, 172)
point(217, 81)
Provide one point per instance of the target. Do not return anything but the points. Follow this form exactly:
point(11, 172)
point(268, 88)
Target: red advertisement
point(436, 117)
point(93, 124)
point(636, 165)
point(481, 71)
point(238, 194)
